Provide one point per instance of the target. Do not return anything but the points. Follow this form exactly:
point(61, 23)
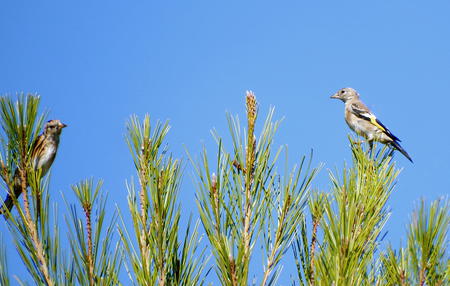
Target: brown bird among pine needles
point(42, 157)
point(361, 120)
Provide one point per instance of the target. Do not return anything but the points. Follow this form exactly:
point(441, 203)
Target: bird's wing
point(361, 111)
point(38, 145)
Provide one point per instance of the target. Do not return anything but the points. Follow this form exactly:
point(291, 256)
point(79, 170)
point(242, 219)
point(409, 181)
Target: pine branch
point(21, 124)
point(238, 200)
point(32, 230)
point(95, 262)
point(250, 155)
point(353, 220)
point(158, 259)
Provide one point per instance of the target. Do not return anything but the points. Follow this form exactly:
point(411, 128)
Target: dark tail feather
point(397, 146)
point(8, 204)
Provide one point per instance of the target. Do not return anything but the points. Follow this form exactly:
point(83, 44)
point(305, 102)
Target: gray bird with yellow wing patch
point(361, 120)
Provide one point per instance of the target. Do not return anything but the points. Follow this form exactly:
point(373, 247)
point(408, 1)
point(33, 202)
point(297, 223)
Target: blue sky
point(95, 64)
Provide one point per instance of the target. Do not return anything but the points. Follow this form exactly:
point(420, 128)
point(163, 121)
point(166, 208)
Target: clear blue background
point(95, 64)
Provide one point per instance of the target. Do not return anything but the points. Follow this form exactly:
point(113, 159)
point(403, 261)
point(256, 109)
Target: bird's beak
point(336, 95)
point(63, 125)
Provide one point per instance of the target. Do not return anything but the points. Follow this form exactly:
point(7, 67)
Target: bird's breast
point(358, 125)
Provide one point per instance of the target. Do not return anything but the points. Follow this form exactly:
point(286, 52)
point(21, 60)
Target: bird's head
point(345, 94)
point(54, 127)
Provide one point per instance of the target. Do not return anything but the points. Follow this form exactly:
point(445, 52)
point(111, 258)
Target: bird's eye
point(342, 91)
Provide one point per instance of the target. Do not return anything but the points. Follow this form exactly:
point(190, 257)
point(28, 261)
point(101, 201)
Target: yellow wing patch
point(373, 120)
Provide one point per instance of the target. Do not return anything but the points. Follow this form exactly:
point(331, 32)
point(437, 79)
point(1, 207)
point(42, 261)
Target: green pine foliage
point(155, 250)
point(243, 200)
point(425, 260)
point(248, 199)
point(351, 219)
point(95, 260)
point(36, 240)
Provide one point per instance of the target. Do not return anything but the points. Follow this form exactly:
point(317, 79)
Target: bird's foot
point(359, 142)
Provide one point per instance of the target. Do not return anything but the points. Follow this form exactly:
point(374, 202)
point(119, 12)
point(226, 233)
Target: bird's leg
point(359, 142)
point(391, 151)
point(370, 147)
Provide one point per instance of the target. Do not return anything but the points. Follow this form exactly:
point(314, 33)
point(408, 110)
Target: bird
point(362, 121)
point(43, 154)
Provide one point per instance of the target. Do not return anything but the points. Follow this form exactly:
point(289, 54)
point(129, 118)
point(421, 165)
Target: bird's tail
point(8, 204)
point(397, 146)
